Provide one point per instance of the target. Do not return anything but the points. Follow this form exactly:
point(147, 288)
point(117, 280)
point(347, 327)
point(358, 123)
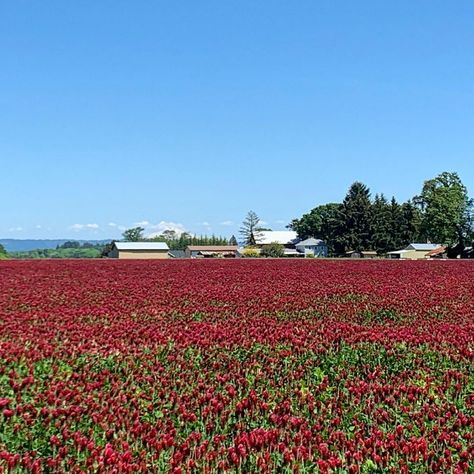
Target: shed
point(139, 250)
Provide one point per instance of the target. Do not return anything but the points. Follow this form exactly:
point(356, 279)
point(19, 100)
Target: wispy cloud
point(227, 223)
point(39, 226)
point(78, 227)
point(15, 229)
point(280, 221)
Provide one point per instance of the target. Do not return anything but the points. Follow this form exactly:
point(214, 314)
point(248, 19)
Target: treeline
point(442, 214)
point(180, 242)
point(74, 244)
point(80, 252)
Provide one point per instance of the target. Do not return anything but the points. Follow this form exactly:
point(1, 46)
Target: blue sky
point(191, 113)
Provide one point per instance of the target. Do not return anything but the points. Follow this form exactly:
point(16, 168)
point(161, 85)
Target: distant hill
point(23, 245)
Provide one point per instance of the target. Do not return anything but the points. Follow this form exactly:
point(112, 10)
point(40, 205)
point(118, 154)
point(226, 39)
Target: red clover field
point(242, 366)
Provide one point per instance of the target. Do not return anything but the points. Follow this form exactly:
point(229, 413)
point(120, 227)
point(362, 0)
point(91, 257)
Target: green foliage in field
point(93, 252)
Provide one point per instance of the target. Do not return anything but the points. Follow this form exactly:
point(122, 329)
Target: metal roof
point(141, 246)
point(278, 236)
point(177, 253)
point(309, 242)
point(426, 247)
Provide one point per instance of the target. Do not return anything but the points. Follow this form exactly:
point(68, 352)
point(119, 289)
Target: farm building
point(414, 251)
point(312, 246)
point(362, 254)
point(211, 251)
point(142, 250)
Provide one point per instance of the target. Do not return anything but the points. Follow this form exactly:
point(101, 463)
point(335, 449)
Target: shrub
point(274, 250)
point(250, 252)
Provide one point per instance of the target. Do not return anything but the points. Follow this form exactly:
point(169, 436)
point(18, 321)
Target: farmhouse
point(312, 246)
point(414, 251)
point(211, 251)
point(139, 250)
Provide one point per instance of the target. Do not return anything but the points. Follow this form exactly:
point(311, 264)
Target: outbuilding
point(211, 251)
point(139, 250)
point(362, 254)
point(415, 251)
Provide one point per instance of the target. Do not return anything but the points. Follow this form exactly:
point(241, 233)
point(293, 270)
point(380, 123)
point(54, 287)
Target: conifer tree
point(356, 218)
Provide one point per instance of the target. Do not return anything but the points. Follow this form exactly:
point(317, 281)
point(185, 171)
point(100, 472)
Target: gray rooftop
point(309, 242)
point(177, 253)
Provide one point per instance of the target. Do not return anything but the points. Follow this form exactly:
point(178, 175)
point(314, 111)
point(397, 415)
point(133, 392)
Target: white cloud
point(227, 223)
point(78, 227)
point(158, 229)
point(141, 224)
point(112, 224)
point(205, 224)
point(38, 226)
point(15, 229)
point(280, 221)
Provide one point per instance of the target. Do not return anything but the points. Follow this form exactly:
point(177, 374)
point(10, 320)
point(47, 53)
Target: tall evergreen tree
point(356, 218)
point(381, 225)
point(250, 229)
point(410, 221)
point(233, 241)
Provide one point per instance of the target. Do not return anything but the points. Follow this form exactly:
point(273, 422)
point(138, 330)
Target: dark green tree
point(134, 235)
point(3, 252)
point(409, 225)
point(107, 249)
point(356, 219)
point(446, 209)
point(322, 222)
point(233, 241)
point(250, 229)
point(381, 229)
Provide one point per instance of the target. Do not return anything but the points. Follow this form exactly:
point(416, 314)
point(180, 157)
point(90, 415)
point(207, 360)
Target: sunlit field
point(250, 366)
